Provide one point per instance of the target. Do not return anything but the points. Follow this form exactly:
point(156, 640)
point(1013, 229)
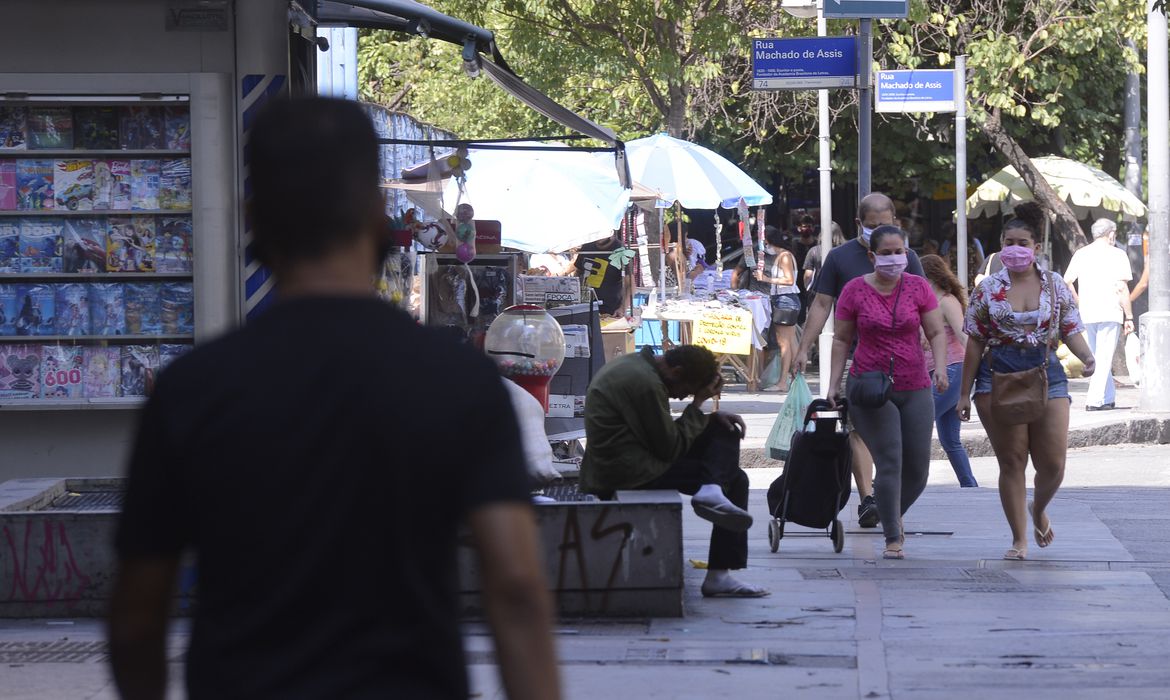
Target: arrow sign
point(866, 9)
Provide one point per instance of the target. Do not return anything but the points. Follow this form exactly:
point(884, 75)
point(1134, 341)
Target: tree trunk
point(1065, 225)
point(677, 116)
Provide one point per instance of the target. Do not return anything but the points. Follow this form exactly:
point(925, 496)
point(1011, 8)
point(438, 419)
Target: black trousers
point(713, 459)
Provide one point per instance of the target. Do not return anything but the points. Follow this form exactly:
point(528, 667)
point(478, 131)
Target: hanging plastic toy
point(465, 233)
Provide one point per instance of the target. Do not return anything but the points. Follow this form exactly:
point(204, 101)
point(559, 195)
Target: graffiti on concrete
point(37, 563)
point(572, 541)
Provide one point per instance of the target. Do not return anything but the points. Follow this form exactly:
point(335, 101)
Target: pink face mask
point(889, 265)
point(1017, 258)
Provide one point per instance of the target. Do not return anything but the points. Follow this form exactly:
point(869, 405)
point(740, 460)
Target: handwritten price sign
point(725, 331)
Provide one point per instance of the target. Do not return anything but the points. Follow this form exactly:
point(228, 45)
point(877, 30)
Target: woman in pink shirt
point(952, 302)
point(884, 311)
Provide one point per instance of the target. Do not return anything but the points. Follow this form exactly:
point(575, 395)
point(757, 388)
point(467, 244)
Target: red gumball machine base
point(535, 385)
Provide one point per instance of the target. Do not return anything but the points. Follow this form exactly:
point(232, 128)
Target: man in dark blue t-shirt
point(843, 264)
point(322, 508)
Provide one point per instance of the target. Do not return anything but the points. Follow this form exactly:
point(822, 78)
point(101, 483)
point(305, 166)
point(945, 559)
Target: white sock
point(717, 577)
point(710, 493)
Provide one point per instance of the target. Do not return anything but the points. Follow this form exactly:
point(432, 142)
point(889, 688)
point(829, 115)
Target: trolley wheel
point(838, 534)
point(774, 534)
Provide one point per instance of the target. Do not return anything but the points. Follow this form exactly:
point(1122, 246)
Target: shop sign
point(724, 331)
point(804, 64)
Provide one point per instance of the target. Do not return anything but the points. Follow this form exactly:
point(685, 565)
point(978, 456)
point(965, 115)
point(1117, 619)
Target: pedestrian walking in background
point(779, 274)
point(885, 311)
point(1019, 315)
point(842, 265)
point(1101, 273)
point(952, 302)
point(324, 518)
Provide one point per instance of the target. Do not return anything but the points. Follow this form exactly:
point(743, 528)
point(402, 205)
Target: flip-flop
point(893, 554)
point(1014, 554)
point(725, 515)
point(739, 590)
point(1042, 538)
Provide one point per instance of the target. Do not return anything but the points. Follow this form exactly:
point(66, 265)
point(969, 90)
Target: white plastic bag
point(530, 415)
point(1133, 357)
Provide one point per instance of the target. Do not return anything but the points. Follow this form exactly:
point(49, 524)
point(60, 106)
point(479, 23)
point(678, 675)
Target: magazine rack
point(96, 251)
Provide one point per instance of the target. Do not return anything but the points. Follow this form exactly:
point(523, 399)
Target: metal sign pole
point(825, 347)
point(865, 110)
point(961, 168)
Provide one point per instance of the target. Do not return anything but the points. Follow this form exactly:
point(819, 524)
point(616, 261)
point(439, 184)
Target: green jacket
point(631, 438)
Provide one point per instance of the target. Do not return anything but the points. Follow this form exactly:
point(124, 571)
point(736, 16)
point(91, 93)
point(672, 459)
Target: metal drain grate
point(103, 500)
point(52, 652)
point(567, 493)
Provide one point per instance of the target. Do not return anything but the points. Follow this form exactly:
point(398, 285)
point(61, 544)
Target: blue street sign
point(804, 64)
point(860, 9)
point(915, 91)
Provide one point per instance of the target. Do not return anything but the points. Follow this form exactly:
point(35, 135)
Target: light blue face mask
point(866, 234)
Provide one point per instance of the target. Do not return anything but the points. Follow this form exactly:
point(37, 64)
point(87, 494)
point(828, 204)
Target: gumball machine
point(528, 346)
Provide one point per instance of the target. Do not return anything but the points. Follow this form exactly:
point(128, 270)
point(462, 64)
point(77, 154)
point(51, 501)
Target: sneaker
point(867, 512)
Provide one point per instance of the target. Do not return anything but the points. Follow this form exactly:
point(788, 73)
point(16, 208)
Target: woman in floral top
point(1010, 316)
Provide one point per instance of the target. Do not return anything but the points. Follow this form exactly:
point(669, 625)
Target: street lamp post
point(1155, 325)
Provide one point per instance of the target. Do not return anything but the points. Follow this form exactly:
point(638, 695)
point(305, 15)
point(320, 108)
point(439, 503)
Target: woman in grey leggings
point(883, 311)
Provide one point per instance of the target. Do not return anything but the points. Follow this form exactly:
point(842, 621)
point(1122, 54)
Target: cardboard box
point(617, 343)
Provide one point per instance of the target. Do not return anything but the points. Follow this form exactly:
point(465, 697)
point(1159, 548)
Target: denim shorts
point(1016, 358)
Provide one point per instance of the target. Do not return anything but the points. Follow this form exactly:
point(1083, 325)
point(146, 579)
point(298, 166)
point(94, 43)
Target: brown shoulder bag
point(1018, 398)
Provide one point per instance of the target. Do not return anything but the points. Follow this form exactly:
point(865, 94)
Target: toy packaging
point(72, 307)
point(96, 128)
point(83, 245)
point(169, 352)
point(20, 371)
point(13, 128)
point(142, 128)
point(62, 374)
point(111, 185)
point(34, 184)
point(9, 245)
point(143, 304)
point(107, 308)
point(101, 371)
point(73, 184)
point(174, 190)
point(35, 315)
point(178, 308)
point(178, 126)
point(173, 244)
point(144, 184)
point(138, 368)
point(9, 308)
point(50, 128)
point(7, 185)
point(40, 245)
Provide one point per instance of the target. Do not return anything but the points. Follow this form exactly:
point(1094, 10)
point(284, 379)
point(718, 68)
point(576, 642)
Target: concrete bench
point(620, 557)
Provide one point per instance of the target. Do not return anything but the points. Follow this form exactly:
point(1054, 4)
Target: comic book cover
point(107, 308)
point(20, 371)
point(112, 185)
point(72, 307)
point(130, 244)
point(142, 128)
point(169, 352)
point(7, 185)
point(178, 125)
point(9, 308)
point(73, 184)
point(40, 244)
point(174, 189)
point(178, 308)
point(62, 375)
point(50, 128)
point(35, 315)
point(99, 376)
point(13, 128)
point(34, 184)
point(143, 308)
point(139, 365)
point(96, 128)
point(144, 184)
point(173, 244)
point(9, 245)
point(83, 245)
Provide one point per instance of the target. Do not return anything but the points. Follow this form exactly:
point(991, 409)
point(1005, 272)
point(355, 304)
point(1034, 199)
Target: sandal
point(1043, 539)
point(1014, 554)
point(894, 551)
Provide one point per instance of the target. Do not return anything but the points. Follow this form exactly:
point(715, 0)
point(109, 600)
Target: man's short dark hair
point(698, 364)
point(314, 177)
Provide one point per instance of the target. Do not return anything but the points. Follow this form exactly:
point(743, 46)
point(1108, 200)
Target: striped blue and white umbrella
point(694, 176)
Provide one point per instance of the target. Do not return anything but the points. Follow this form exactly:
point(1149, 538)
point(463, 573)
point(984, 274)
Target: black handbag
point(873, 389)
point(785, 317)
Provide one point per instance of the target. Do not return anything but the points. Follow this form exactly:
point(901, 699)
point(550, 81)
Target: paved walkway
point(1087, 618)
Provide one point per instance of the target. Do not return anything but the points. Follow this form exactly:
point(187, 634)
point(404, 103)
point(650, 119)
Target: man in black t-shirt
point(318, 463)
point(843, 264)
